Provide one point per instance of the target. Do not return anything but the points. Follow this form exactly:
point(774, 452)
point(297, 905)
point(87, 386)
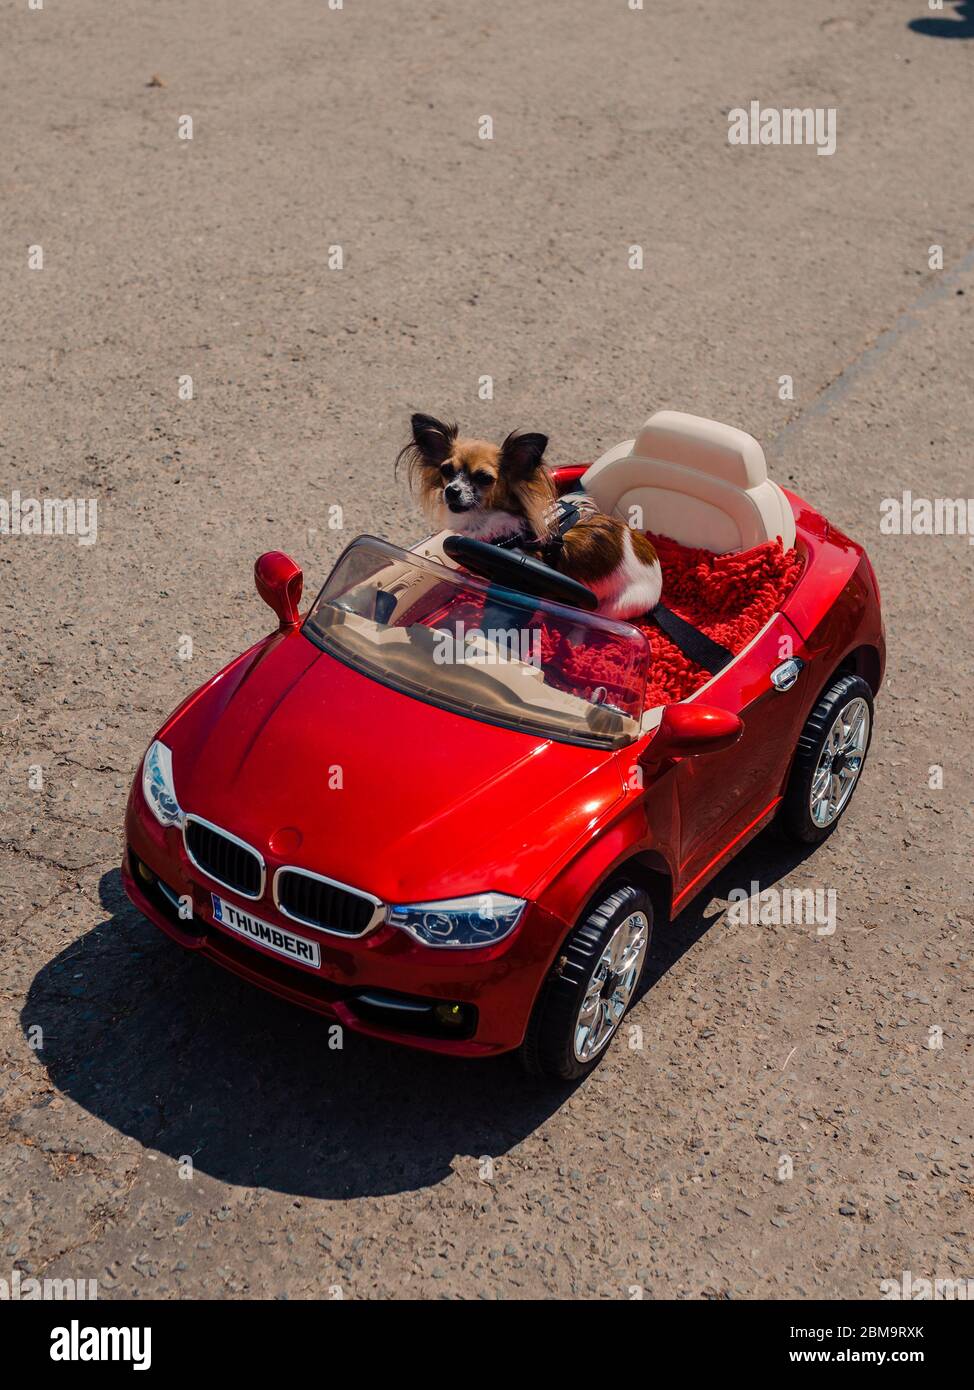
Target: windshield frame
point(529, 605)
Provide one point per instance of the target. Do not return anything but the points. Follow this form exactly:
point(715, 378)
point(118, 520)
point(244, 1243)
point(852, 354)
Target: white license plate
point(279, 939)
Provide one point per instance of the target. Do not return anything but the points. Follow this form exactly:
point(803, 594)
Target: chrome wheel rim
point(610, 986)
point(839, 763)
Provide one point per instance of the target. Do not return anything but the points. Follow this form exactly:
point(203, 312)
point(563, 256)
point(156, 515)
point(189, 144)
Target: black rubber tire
point(548, 1047)
point(794, 821)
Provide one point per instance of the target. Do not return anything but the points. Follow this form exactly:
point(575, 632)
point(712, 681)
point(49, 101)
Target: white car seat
point(697, 481)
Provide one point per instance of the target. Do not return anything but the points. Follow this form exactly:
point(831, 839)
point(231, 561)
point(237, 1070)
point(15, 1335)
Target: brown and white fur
point(491, 491)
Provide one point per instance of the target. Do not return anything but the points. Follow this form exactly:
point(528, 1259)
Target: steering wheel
point(514, 570)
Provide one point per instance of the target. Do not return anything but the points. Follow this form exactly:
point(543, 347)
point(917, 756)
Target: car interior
point(697, 483)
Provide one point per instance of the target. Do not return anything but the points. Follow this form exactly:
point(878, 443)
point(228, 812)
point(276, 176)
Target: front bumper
point(495, 986)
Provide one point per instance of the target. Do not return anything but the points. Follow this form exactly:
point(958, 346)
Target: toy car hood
point(316, 765)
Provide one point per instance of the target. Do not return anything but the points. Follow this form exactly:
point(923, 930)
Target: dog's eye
point(482, 477)
point(447, 470)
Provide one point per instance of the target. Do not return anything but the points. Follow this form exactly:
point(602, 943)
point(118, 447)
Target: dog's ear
point(432, 438)
point(430, 445)
point(521, 454)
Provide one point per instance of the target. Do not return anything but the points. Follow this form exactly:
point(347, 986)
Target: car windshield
point(456, 641)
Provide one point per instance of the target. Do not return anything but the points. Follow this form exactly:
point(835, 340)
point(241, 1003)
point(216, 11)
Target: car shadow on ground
point(959, 26)
point(185, 1059)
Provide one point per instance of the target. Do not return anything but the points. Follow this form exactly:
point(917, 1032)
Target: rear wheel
point(583, 1002)
point(831, 754)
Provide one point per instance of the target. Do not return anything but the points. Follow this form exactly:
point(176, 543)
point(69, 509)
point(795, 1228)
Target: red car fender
point(854, 621)
point(637, 825)
point(831, 561)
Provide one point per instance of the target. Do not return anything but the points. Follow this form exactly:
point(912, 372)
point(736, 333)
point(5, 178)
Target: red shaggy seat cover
point(729, 597)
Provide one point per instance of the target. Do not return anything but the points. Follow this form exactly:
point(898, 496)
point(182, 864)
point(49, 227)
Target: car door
point(721, 797)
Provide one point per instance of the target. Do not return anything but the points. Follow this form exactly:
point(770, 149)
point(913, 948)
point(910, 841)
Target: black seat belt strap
point(690, 640)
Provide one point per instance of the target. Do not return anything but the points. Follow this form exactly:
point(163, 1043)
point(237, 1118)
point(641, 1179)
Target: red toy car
point(439, 810)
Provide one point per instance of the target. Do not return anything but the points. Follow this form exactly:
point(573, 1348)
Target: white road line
point(947, 280)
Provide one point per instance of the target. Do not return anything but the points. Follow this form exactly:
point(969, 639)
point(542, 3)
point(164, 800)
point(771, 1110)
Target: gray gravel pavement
point(374, 1172)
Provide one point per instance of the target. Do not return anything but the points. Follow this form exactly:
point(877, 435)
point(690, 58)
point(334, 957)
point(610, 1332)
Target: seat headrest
point(706, 445)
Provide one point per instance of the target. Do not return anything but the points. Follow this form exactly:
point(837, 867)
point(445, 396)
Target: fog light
point(449, 1014)
point(146, 874)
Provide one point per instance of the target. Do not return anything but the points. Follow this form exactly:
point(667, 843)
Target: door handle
point(783, 677)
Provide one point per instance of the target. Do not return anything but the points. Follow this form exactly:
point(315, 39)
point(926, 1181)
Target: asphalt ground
point(374, 1172)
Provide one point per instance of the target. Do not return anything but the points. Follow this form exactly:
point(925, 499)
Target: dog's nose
point(453, 492)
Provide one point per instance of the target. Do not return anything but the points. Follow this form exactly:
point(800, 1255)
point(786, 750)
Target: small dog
point(493, 493)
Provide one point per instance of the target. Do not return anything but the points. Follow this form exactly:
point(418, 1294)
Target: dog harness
point(565, 513)
point(693, 643)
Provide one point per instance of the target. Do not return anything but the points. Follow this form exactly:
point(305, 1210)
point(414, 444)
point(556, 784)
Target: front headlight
point(157, 785)
point(459, 922)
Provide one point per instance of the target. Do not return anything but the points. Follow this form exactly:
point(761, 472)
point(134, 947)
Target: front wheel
point(595, 978)
point(831, 753)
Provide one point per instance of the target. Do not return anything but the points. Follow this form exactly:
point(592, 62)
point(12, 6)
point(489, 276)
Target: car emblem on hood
point(286, 840)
